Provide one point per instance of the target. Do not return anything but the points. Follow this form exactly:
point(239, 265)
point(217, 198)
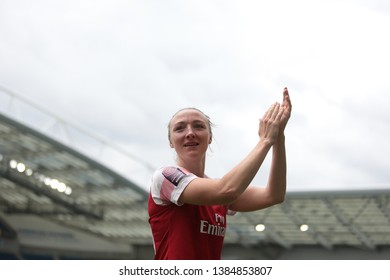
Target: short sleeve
point(168, 183)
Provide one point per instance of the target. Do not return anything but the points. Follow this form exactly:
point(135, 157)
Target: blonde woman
point(187, 209)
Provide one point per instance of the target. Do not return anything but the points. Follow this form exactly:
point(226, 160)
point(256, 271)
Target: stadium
point(59, 200)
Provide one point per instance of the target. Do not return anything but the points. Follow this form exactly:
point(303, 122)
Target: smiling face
point(190, 134)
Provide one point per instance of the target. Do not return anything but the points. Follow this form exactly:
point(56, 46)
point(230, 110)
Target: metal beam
point(348, 223)
point(381, 202)
point(317, 236)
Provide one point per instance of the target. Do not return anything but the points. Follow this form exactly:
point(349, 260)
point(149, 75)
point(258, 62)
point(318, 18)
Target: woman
point(187, 210)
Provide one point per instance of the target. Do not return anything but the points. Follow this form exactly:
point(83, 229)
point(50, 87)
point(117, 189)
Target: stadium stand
point(58, 203)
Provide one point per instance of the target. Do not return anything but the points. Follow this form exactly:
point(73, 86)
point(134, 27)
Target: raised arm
point(227, 189)
point(255, 198)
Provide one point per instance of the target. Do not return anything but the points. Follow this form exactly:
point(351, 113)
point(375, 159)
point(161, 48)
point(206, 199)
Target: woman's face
point(189, 133)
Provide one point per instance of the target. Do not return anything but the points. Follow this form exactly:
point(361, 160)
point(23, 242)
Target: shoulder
point(168, 183)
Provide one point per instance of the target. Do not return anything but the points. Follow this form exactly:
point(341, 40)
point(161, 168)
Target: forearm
point(276, 185)
point(238, 179)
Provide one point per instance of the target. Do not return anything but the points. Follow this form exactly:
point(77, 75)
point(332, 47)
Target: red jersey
point(183, 231)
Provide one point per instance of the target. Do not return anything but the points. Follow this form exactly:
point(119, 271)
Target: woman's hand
point(270, 123)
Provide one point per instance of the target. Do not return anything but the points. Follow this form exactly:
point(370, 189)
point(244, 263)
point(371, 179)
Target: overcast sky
point(121, 69)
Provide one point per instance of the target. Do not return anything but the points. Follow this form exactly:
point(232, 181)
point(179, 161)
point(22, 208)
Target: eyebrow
point(194, 121)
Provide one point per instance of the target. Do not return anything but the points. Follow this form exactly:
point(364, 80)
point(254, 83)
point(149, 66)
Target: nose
point(189, 132)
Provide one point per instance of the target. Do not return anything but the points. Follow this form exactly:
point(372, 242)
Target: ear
point(170, 144)
point(211, 139)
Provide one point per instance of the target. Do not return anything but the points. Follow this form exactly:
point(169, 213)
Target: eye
point(178, 128)
point(199, 126)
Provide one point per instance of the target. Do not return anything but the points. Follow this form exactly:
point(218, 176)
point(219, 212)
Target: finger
point(275, 111)
point(280, 114)
point(269, 112)
point(286, 98)
point(285, 94)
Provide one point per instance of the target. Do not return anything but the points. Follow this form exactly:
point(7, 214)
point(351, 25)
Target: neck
point(194, 166)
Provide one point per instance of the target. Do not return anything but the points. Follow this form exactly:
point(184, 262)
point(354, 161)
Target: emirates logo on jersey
point(173, 175)
point(218, 228)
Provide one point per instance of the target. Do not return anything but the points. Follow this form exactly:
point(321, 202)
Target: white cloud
point(122, 68)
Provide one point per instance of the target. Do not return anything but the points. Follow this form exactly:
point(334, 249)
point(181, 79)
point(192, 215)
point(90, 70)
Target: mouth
point(191, 144)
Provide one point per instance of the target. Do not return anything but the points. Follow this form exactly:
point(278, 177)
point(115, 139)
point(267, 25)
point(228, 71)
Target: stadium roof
point(327, 219)
point(40, 176)
point(44, 177)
